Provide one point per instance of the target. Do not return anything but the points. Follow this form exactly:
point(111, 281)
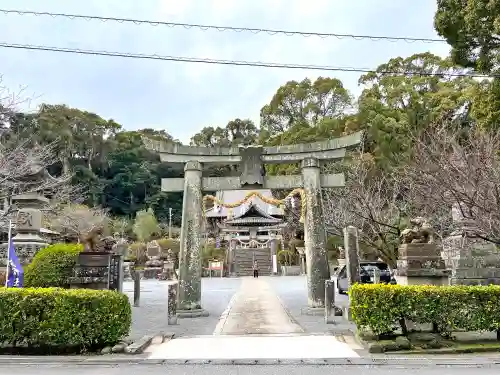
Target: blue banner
point(15, 273)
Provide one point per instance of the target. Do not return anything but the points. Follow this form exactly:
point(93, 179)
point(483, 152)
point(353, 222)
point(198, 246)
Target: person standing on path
point(255, 270)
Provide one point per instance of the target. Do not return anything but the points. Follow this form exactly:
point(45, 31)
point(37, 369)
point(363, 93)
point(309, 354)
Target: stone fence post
point(137, 288)
point(329, 301)
point(376, 275)
point(351, 245)
point(172, 303)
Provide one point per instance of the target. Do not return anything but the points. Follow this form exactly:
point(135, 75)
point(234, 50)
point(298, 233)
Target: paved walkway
point(255, 325)
point(255, 309)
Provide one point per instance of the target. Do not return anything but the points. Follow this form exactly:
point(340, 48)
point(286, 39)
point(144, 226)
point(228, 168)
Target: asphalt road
point(145, 369)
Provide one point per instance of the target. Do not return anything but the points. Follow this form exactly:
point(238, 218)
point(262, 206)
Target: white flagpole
point(8, 253)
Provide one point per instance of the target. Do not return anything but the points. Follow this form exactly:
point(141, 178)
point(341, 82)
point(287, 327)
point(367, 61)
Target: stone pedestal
point(92, 271)
point(314, 235)
point(189, 291)
point(420, 264)
point(28, 221)
point(471, 261)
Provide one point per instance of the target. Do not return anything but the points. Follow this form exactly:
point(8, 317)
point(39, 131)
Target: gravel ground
point(151, 316)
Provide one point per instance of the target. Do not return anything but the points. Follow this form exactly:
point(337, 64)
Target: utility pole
point(170, 222)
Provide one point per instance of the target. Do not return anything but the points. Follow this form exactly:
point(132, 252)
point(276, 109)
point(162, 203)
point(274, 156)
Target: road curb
point(127, 360)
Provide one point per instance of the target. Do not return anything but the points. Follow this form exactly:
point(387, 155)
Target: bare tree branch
point(456, 168)
point(372, 201)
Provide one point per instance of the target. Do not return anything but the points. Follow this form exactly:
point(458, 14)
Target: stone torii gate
point(251, 160)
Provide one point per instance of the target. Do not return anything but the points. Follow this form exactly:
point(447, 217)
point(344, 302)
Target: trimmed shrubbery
point(60, 319)
point(52, 266)
point(380, 308)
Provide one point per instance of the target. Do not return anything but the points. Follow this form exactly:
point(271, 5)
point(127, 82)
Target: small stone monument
point(168, 267)
point(127, 275)
point(28, 222)
point(341, 259)
point(470, 259)
point(154, 265)
point(302, 256)
point(419, 261)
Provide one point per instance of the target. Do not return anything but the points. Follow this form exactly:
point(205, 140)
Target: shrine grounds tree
point(472, 29)
point(145, 225)
point(73, 221)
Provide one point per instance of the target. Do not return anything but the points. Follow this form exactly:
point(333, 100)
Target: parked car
point(367, 270)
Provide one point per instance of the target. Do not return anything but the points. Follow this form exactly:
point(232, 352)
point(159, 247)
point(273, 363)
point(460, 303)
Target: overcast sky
point(184, 97)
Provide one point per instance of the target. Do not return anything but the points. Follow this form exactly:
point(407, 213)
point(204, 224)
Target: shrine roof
point(252, 220)
point(262, 208)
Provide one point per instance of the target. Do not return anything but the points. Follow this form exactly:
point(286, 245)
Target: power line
point(227, 28)
point(230, 62)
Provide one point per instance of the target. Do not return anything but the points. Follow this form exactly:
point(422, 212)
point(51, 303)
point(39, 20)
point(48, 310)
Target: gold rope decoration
point(272, 201)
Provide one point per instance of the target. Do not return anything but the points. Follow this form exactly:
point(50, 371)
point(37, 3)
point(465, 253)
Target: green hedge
point(64, 318)
point(52, 266)
point(449, 308)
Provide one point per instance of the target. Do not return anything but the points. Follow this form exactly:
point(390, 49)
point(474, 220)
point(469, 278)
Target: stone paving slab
point(255, 309)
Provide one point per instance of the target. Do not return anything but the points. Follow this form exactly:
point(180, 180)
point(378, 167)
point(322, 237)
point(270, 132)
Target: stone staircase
point(244, 258)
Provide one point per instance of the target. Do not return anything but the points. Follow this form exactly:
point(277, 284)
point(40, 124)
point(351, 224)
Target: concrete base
point(329, 319)
point(313, 311)
point(197, 313)
point(425, 280)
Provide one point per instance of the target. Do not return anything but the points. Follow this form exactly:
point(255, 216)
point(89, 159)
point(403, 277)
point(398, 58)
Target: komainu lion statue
point(95, 241)
point(421, 232)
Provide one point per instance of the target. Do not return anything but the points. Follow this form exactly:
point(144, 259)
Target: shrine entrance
point(251, 161)
point(251, 229)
